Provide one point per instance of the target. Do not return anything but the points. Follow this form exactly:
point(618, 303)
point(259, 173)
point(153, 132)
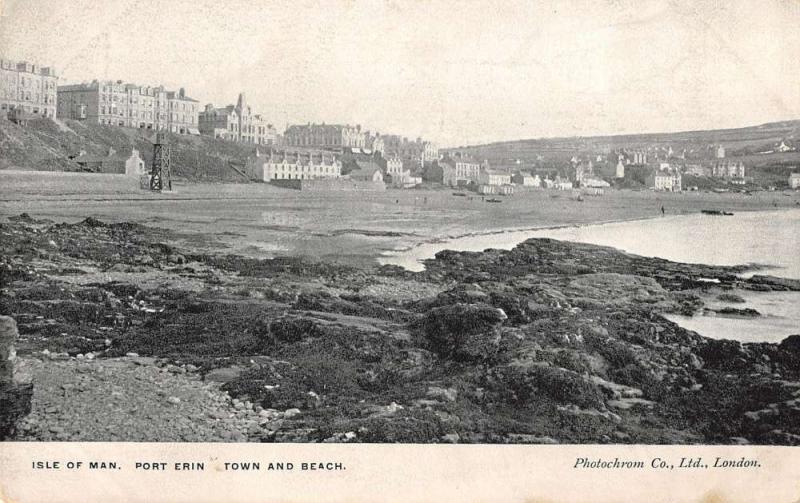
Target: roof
point(366, 170)
point(333, 128)
point(453, 161)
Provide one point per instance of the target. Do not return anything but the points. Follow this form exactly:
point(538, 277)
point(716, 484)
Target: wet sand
point(347, 227)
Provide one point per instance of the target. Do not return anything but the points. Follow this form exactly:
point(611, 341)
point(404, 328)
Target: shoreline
point(450, 238)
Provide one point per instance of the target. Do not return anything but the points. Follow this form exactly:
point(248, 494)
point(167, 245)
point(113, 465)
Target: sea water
point(770, 239)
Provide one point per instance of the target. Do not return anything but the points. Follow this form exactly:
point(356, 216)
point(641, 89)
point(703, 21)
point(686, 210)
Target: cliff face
point(549, 342)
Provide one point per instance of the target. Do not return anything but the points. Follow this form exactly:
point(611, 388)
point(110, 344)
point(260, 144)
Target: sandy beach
point(260, 220)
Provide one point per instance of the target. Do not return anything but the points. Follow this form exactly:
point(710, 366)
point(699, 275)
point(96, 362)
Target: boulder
point(15, 394)
point(532, 380)
point(791, 344)
point(464, 332)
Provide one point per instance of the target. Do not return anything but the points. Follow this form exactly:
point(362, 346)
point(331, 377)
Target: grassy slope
point(738, 142)
point(44, 145)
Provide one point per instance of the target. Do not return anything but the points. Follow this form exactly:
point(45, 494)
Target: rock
point(525, 438)
point(448, 394)
point(393, 407)
point(464, 331)
point(290, 413)
point(15, 396)
point(224, 374)
point(723, 354)
point(174, 400)
point(451, 438)
point(132, 355)
point(531, 380)
point(791, 344)
point(290, 329)
point(731, 297)
point(746, 312)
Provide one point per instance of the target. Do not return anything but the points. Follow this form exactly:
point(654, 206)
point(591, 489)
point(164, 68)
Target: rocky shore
point(128, 337)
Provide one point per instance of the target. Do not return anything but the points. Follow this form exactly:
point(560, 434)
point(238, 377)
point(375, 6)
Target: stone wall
point(329, 184)
point(15, 390)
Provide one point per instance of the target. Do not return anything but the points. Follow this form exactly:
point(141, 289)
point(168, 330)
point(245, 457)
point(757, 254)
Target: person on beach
point(662, 210)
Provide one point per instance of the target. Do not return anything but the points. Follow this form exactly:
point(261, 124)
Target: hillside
point(742, 143)
point(49, 146)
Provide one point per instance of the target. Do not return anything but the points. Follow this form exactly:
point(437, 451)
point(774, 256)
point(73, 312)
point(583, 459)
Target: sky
point(457, 73)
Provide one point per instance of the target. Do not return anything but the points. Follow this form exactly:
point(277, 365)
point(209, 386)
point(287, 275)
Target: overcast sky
point(455, 72)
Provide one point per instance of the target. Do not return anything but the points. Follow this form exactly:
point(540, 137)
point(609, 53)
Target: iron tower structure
point(161, 173)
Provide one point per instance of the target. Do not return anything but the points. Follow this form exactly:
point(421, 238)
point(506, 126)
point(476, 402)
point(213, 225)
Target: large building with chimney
point(28, 87)
point(236, 123)
point(326, 136)
point(116, 103)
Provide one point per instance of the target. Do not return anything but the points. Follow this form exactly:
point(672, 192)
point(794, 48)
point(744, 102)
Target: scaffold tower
point(161, 174)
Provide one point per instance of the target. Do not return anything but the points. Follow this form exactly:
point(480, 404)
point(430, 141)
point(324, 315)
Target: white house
point(525, 179)
point(492, 177)
point(293, 164)
point(134, 165)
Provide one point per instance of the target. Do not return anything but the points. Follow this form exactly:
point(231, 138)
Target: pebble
point(174, 400)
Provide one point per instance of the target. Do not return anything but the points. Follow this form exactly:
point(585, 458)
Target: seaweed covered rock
point(791, 344)
point(15, 396)
point(289, 329)
point(724, 354)
point(463, 332)
point(530, 380)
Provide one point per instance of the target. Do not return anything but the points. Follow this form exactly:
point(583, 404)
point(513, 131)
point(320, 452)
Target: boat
point(493, 200)
point(460, 194)
point(716, 212)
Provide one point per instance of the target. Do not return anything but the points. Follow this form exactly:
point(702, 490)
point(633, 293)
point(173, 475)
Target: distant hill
point(746, 142)
point(47, 145)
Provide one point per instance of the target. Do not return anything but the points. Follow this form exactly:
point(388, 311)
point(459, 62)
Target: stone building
point(794, 181)
point(28, 87)
point(116, 103)
point(329, 136)
point(293, 164)
point(417, 150)
point(374, 142)
point(221, 123)
point(396, 174)
point(728, 169)
point(430, 151)
point(636, 157)
point(236, 123)
point(459, 170)
point(526, 179)
point(493, 177)
point(368, 171)
point(664, 180)
point(113, 163)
